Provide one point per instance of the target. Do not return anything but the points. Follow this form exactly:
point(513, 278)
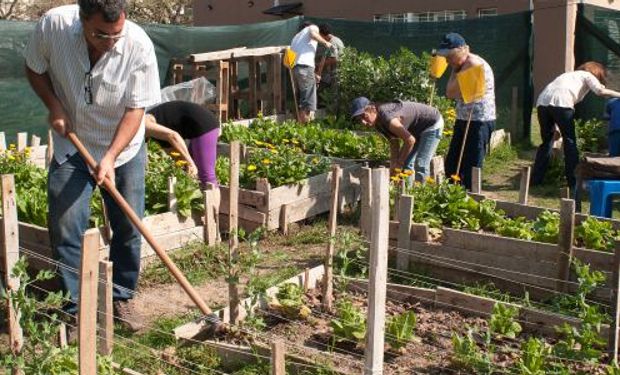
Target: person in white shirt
point(304, 45)
point(95, 72)
point(556, 106)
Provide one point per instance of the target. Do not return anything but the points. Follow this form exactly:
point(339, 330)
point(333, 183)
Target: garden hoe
point(216, 324)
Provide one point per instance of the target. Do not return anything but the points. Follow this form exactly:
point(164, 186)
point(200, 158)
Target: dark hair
point(597, 69)
point(305, 24)
point(325, 29)
point(111, 10)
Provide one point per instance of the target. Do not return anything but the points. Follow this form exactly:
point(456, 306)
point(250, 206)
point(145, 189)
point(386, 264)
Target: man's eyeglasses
point(106, 37)
point(88, 88)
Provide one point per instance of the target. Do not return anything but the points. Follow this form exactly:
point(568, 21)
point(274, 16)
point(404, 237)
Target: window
point(487, 12)
point(439, 16)
point(382, 18)
point(401, 18)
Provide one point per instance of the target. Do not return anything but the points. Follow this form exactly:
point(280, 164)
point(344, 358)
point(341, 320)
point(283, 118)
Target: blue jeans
point(614, 142)
point(419, 160)
point(476, 145)
point(70, 187)
point(549, 116)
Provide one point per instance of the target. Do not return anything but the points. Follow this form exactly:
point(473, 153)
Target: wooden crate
point(275, 208)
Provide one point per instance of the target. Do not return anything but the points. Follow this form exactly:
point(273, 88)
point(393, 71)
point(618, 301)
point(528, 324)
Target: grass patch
point(314, 234)
point(263, 282)
point(197, 261)
point(499, 158)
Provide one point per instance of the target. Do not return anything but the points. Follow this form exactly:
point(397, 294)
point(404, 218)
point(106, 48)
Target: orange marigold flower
point(455, 178)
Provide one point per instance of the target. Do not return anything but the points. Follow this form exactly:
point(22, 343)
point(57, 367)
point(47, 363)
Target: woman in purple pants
point(174, 122)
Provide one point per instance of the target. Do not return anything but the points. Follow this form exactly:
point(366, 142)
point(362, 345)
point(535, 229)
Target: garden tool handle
point(133, 217)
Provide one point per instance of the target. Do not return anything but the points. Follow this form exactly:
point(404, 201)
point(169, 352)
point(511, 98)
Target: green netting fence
point(504, 41)
point(597, 37)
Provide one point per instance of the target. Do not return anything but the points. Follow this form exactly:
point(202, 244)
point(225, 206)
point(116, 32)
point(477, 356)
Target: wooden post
point(366, 197)
point(565, 242)
point(524, 189)
point(172, 198)
point(306, 279)
point(49, 152)
point(209, 220)
point(10, 254)
point(2, 141)
point(22, 141)
point(87, 318)
point(328, 276)
point(514, 109)
point(263, 185)
point(404, 232)
point(284, 219)
point(378, 273)
point(615, 305)
point(62, 336)
point(476, 180)
point(35, 141)
point(277, 358)
point(565, 192)
point(233, 240)
point(105, 310)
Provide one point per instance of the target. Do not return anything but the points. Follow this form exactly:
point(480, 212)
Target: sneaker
point(126, 315)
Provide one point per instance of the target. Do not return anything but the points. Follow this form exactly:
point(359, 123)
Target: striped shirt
point(124, 77)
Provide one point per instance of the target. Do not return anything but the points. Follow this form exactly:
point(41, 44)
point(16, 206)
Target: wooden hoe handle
point(161, 253)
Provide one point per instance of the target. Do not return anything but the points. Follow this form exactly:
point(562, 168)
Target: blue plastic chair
point(600, 196)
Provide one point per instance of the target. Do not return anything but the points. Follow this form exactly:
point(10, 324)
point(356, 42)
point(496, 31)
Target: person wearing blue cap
point(459, 57)
point(420, 127)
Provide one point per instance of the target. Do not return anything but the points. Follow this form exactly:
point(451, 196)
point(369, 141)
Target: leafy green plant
point(546, 227)
point(351, 254)
point(596, 234)
point(503, 322)
point(400, 329)
point(591, 135)
point(39, 355)
point(467, 355)
point(350, 322)
point(518, 227)
point(534, 356)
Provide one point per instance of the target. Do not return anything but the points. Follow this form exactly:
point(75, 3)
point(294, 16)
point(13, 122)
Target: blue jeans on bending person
point(70, 187)
point(548, 117)
point(478, 138)
point(419, 160)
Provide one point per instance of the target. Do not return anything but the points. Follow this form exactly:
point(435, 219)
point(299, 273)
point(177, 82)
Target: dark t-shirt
point(415, 117)
point(188, 119)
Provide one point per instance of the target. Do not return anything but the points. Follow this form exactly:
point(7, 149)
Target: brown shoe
point(126, 315)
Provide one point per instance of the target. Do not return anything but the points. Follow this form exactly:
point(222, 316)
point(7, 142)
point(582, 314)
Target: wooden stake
point(366, 197)
point(278, 364)
point(565, 193)
point(22, 141)
point(476, 180)
point(233, 241)
point(2, 141)
point(210, 225)
point(87, 318)
point(10, 254)
point(105, 310)
point(328, 276)
point(404, 231)
point(524, 189)
point(306, 279)
point(565, 242)
point(378, 273)
point(284, 221)
point(172, 198)
point(62, 336)
point(35, 141)
point(615, 304)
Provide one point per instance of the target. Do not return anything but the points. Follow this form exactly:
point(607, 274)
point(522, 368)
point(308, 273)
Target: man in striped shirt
point(95, 72)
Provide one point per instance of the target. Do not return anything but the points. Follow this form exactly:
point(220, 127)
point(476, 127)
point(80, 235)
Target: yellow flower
point(11, 157)
point(285, 140)
point(430, 180)
point(403, 175)
point(273, 151)
point(266, 161)
point(12, 146)
point(315, 160)
point(269, 145)
point(251, 167)
point(395, 178)
point(258, 143)
point(408, 172)
point(180, 163)
point(175, 154)
point(455, 178)
point(448, 132)
point(295, 142)
point(28, 149)
point(397, 170)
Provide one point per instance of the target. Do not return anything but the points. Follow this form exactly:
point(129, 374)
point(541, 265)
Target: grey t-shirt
point(329, 74)
point(415, 117)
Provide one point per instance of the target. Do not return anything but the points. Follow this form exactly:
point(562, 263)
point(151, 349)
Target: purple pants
point(204, 152)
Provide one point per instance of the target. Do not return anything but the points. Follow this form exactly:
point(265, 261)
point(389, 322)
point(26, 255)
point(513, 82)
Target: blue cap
point(358, 105)
point(450, 41)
